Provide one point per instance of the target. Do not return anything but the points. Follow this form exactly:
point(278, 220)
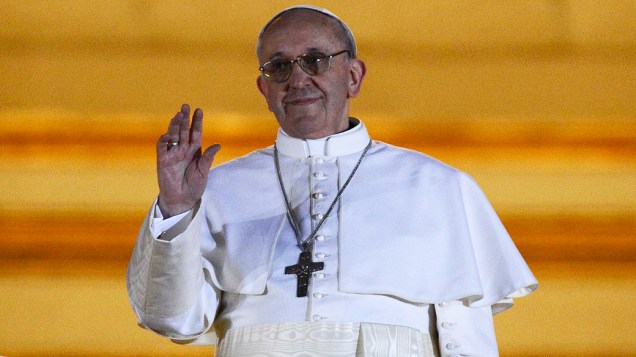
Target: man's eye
point(312, 59)
point(278, 65)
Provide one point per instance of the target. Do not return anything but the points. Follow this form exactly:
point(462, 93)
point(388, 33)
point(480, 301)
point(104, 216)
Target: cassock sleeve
point(169, 284)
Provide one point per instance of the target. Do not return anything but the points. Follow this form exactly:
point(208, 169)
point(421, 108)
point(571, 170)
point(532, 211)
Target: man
point(326, 243)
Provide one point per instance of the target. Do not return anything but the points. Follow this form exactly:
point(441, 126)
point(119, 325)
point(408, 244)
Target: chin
point(304, 124)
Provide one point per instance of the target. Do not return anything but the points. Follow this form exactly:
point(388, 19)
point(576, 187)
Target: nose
point(298, 77)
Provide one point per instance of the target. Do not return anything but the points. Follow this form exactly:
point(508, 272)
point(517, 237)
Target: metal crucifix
point(303, 271)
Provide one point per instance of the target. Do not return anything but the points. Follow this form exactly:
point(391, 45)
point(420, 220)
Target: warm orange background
point(535, 99)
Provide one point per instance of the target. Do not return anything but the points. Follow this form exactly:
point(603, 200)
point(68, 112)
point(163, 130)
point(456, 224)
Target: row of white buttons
point(319, 295)
point(318, 195)
point(448, 325)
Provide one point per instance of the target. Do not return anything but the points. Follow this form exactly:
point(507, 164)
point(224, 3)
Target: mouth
point(301, 101)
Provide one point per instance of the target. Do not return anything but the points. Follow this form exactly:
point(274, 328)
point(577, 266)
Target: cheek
point(274, 101)
point(336, 93)
point(271, 104)
point(340, 85)
point(271, 98)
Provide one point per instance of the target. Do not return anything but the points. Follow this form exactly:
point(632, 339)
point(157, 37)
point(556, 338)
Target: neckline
point(345, 143)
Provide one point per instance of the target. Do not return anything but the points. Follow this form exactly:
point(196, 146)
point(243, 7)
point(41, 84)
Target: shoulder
point(245, 169)
point(253, 161)
point(399, 159)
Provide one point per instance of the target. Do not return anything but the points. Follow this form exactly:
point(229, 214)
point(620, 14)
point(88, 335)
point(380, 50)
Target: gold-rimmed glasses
point(279, 70)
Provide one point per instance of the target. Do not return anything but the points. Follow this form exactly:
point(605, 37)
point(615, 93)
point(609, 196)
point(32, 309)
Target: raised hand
point(182, 169)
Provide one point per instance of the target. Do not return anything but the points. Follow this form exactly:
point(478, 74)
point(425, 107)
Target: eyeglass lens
point(280, 70)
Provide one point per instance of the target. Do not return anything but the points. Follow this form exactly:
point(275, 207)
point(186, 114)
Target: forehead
point(299, 30)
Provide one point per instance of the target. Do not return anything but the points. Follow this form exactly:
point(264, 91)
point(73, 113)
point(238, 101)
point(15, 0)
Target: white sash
point(325, 339)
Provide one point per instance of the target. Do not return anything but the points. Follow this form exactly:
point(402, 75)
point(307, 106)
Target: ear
point(260, 85)
point(357, 71)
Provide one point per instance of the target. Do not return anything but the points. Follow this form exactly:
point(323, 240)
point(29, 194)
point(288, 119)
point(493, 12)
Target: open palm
point(182, 168)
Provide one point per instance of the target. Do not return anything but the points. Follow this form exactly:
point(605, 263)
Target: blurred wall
point(535, 99)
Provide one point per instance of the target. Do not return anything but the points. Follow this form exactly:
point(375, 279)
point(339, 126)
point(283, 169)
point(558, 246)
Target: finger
point(184, 125)
point(173, 127)
point(162, 143)
point(196, 130)
point(185, 109)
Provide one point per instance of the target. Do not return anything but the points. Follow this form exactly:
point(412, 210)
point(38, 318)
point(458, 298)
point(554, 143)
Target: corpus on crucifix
point(303, 271)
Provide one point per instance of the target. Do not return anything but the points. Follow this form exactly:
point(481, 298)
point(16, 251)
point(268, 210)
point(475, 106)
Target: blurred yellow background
point(535, 99)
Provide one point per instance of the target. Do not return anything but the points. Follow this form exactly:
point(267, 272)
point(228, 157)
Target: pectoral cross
point(303, 271)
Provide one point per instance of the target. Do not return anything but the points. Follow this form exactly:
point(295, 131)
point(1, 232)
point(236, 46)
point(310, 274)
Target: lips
point(301, 101)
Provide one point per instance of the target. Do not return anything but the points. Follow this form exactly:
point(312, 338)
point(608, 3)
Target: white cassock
point(412, 243)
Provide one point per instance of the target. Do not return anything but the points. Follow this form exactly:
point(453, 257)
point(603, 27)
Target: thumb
point(208, 156)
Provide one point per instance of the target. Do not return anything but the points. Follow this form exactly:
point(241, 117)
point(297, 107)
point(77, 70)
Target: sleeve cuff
point(167, 229)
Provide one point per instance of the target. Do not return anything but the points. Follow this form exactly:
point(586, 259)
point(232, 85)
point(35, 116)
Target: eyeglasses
point(279, 70)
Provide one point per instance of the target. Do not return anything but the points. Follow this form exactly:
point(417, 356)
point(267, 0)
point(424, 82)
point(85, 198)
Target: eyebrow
point(307, 50)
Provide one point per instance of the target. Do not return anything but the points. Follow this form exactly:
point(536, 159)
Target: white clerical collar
point(345, 143)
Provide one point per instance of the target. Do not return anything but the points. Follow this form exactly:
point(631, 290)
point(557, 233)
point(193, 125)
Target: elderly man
point(326, 243)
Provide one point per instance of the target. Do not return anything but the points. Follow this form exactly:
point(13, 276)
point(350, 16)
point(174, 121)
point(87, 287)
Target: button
point(442, 304)
point(320, 275)
point(320, 238)
point(318, 317)
point(319, 295)
point(318, 216)
point(321, 255)
point(318, 195)
point(452, 346)
point(447, 325)
point(320, 175)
